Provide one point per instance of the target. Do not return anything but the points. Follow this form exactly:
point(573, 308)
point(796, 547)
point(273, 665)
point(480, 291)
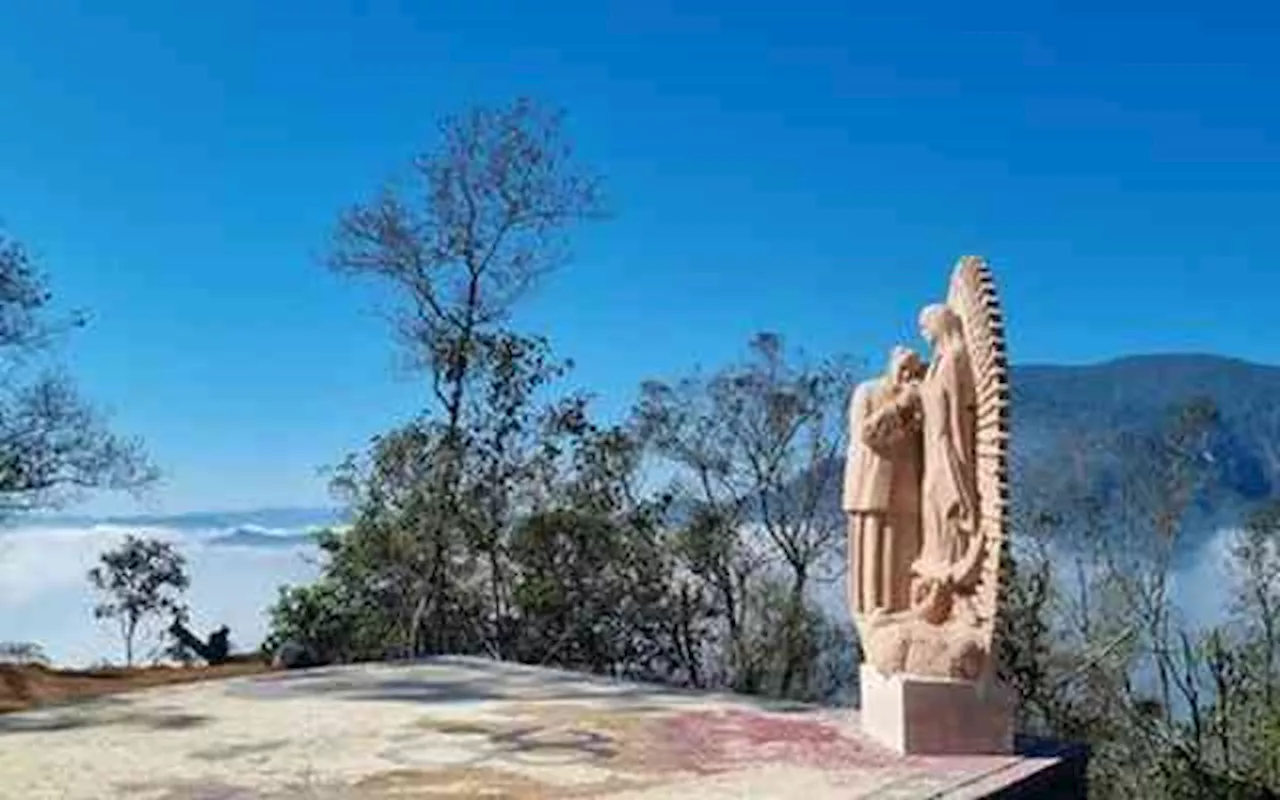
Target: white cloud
point(1203, 587)
point(34, 561)
point(46, 598)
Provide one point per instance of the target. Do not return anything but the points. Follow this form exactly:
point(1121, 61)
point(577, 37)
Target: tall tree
point(480, 221)
point(141, 579)
point(473, 227)
point(53, 445)
point(754, 448)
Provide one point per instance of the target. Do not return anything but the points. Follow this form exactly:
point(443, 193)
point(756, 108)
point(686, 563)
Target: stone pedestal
point(918, 715)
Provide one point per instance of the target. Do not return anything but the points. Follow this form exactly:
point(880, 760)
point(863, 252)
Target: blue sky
point(811, 168)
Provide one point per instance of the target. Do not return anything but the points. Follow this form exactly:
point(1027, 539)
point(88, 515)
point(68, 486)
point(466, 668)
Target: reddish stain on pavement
point(714, 741)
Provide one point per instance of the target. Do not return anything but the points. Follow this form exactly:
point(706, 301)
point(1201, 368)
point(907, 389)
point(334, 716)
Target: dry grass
point(32, 685)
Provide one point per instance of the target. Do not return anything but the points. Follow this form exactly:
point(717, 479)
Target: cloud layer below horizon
point(46, 598)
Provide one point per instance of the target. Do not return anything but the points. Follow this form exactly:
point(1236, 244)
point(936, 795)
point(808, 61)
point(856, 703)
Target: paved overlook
point(459, 727)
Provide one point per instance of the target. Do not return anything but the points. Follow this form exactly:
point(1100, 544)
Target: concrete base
point(918, 715)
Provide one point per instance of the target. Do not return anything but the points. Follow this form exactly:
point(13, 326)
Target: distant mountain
point(288, 519)
point(255, 536)
point(1055, 406)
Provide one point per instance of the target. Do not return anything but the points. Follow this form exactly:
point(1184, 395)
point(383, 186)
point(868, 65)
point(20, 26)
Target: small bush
point(23, 653)
point(327, 623)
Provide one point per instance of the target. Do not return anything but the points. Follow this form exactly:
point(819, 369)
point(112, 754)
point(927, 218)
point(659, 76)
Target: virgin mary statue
point(950, 546)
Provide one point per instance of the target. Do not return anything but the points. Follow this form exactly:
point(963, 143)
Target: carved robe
point(949, 496)
point(882, 495)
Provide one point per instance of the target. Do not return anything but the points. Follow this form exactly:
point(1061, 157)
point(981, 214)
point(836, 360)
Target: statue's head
point(938, 322)
point(905, 365)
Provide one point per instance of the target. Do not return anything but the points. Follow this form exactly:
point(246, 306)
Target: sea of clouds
point(1201, 586)
point(237, 568)
point(45, 596)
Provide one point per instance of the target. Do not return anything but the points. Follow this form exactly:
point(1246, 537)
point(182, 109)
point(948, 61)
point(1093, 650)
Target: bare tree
point(755, 449)
point(53, 445)
point(1097, 643)
point(1255, 615)
point(481, 219)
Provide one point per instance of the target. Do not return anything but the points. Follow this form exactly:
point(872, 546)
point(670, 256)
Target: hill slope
point(1054, 406)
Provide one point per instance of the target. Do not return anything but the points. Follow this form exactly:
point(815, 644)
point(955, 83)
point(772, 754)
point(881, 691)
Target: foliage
point(481, 218)
point(22, 653)
point(503, 520)
point(750, 447)
point(484, 216)
point(53, 446)
point(1098, 650)
point(590, 593)
point(319, 619)
point(140, 579)
point(400, 556)
point(1060, 403)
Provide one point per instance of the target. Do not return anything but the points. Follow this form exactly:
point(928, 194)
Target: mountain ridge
point(1052, 404)
point(1056, 407)
point(270, 517)
point(1166, 357)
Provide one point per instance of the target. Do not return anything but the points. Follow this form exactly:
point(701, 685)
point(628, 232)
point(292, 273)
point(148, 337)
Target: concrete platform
point(459, 727)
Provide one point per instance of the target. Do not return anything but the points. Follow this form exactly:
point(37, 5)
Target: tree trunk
point(415, 625)
point(795, 618)
point(496, 584)
point(131, 627)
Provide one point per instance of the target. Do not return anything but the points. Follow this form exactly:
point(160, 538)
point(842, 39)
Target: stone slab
point(913, 715)
point(462, 727)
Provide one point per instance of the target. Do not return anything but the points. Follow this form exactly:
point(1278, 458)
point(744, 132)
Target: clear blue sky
point(803, 167)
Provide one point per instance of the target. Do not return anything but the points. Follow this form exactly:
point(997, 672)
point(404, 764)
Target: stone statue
point(925, 492)
point(926, 497)
point(882, 485)
point(950, 542)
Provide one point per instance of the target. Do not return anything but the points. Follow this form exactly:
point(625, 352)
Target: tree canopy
point(53, 445)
